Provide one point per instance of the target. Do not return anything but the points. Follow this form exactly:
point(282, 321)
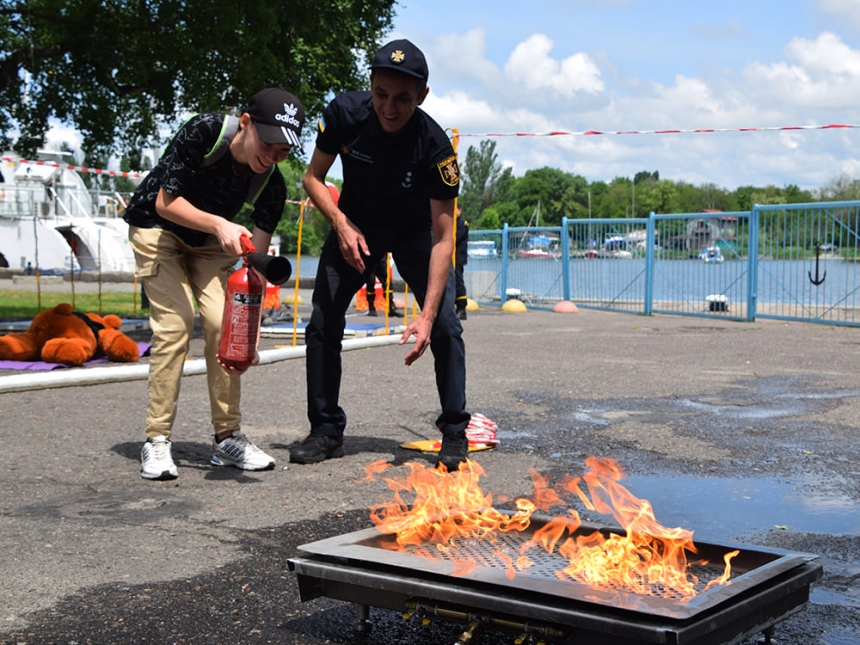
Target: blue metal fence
point(792, 262)
point(806, 265)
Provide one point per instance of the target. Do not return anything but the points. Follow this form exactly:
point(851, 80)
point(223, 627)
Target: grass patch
point(24, 304)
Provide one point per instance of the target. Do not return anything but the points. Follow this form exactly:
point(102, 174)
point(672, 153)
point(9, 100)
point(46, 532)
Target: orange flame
point(444, 506)
point(432, 507)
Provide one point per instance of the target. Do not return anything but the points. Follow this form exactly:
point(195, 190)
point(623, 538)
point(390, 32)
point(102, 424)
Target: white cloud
point(690, 94)
point(536, 93)
point(462, 56)
point(463, 111)
point(826, 74)
point(530, 63)
point(846, 11)
point(827, 55)
point(533, 76)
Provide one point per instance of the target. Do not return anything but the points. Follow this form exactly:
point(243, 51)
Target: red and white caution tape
point(97, 171)
point(589, 133)
point(554, 133)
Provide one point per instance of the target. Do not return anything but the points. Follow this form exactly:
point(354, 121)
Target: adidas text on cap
point(403, 56)
point(278, 115)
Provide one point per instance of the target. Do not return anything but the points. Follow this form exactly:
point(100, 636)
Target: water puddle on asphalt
point(722, 508)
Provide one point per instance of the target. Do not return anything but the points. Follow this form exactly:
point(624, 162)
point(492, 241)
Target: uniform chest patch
point(355, 154)
point(449, 170)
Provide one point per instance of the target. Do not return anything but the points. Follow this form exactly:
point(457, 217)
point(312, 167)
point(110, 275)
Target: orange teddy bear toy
point(60, 335)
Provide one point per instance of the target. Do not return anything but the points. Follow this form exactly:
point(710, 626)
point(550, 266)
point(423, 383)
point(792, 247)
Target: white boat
point(540, 246)
point(617, 247)
point(712, 255)
point(50, 221)
point(481, 249)
point(538, 253)
point(620, 254)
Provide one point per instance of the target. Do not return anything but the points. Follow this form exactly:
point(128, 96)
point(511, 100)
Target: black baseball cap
point(403, 56)
point(278, 115)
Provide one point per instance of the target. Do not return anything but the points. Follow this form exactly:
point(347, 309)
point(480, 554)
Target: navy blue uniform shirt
point(388, 180)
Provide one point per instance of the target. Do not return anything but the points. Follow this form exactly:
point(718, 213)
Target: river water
point(784, 282)
point(778, 281)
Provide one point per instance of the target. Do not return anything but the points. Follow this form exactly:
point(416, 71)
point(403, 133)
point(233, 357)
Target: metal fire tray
point(767, 585)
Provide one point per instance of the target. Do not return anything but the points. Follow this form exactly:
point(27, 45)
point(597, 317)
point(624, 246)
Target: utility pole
point(633, 207)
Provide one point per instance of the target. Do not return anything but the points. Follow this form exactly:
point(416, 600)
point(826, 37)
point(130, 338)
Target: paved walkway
point(92, 553)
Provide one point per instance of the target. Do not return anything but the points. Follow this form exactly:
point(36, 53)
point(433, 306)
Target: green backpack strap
point(222, 144)
point(258, 183)
point(229, 129)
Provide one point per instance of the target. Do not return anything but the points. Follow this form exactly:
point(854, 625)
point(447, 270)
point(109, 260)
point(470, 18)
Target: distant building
point(714, 226)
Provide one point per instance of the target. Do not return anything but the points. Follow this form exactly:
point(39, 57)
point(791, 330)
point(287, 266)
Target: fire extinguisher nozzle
point(276, 269)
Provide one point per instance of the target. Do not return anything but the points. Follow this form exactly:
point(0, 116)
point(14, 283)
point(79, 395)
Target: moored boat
point(50, 221)
point(712, 255)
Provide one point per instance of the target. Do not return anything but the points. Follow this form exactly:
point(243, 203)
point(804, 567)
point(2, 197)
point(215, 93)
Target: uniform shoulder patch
point(449, 170)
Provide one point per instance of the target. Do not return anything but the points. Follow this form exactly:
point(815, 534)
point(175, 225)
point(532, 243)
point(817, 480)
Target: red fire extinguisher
point(243, 305)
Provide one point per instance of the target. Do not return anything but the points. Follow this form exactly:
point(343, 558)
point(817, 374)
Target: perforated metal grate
point(367, 567)
point(544, 565)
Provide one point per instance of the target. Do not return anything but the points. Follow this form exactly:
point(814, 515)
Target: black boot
point(453, 453)
point(316, 448)
point(461, 310)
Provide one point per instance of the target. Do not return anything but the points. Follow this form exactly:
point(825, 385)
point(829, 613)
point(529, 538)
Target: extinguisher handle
point(247, 245)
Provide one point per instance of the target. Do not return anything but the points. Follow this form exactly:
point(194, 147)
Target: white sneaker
point(240, 452)
point(155, 460)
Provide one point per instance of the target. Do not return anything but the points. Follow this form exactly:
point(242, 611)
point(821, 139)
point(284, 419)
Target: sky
point(499, 66)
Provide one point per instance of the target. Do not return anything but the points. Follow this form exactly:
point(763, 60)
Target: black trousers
point(336, 284)
point(378, 271)
point(460, 286)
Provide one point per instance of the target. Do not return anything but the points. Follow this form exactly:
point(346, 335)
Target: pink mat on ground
point(41, 366)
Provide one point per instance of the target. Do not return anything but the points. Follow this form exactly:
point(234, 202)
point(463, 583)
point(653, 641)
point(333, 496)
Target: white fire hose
point(133, 372)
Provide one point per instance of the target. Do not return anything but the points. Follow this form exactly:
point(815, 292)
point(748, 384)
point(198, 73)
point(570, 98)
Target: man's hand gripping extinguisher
point(243, 305)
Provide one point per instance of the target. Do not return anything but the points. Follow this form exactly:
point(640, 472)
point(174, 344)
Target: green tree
point(686, 198)
point(768, 195)
point(118, 71)
point(656, 197)
point(796, 195)
point(646, 177)
point(744, 197)
point(490, 220)
point(559, 193)
point(596, 192)
point(615, 200)
point(481, 172)
point(841, 188)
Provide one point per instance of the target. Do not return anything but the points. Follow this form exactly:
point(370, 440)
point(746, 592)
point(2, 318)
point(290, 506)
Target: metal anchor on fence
point(816, 281)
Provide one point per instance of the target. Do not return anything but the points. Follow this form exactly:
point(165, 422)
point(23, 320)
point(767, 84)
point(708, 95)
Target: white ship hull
point(48, 221)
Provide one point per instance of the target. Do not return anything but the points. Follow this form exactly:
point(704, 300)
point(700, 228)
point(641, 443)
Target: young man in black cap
point(186, 246)
point(400, 180)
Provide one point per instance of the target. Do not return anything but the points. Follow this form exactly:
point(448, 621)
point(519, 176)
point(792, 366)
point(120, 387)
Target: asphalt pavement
point(90, 553)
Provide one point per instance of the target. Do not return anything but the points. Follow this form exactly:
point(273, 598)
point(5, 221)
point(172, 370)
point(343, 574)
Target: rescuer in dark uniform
point(400, 181)
point(461, 257)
